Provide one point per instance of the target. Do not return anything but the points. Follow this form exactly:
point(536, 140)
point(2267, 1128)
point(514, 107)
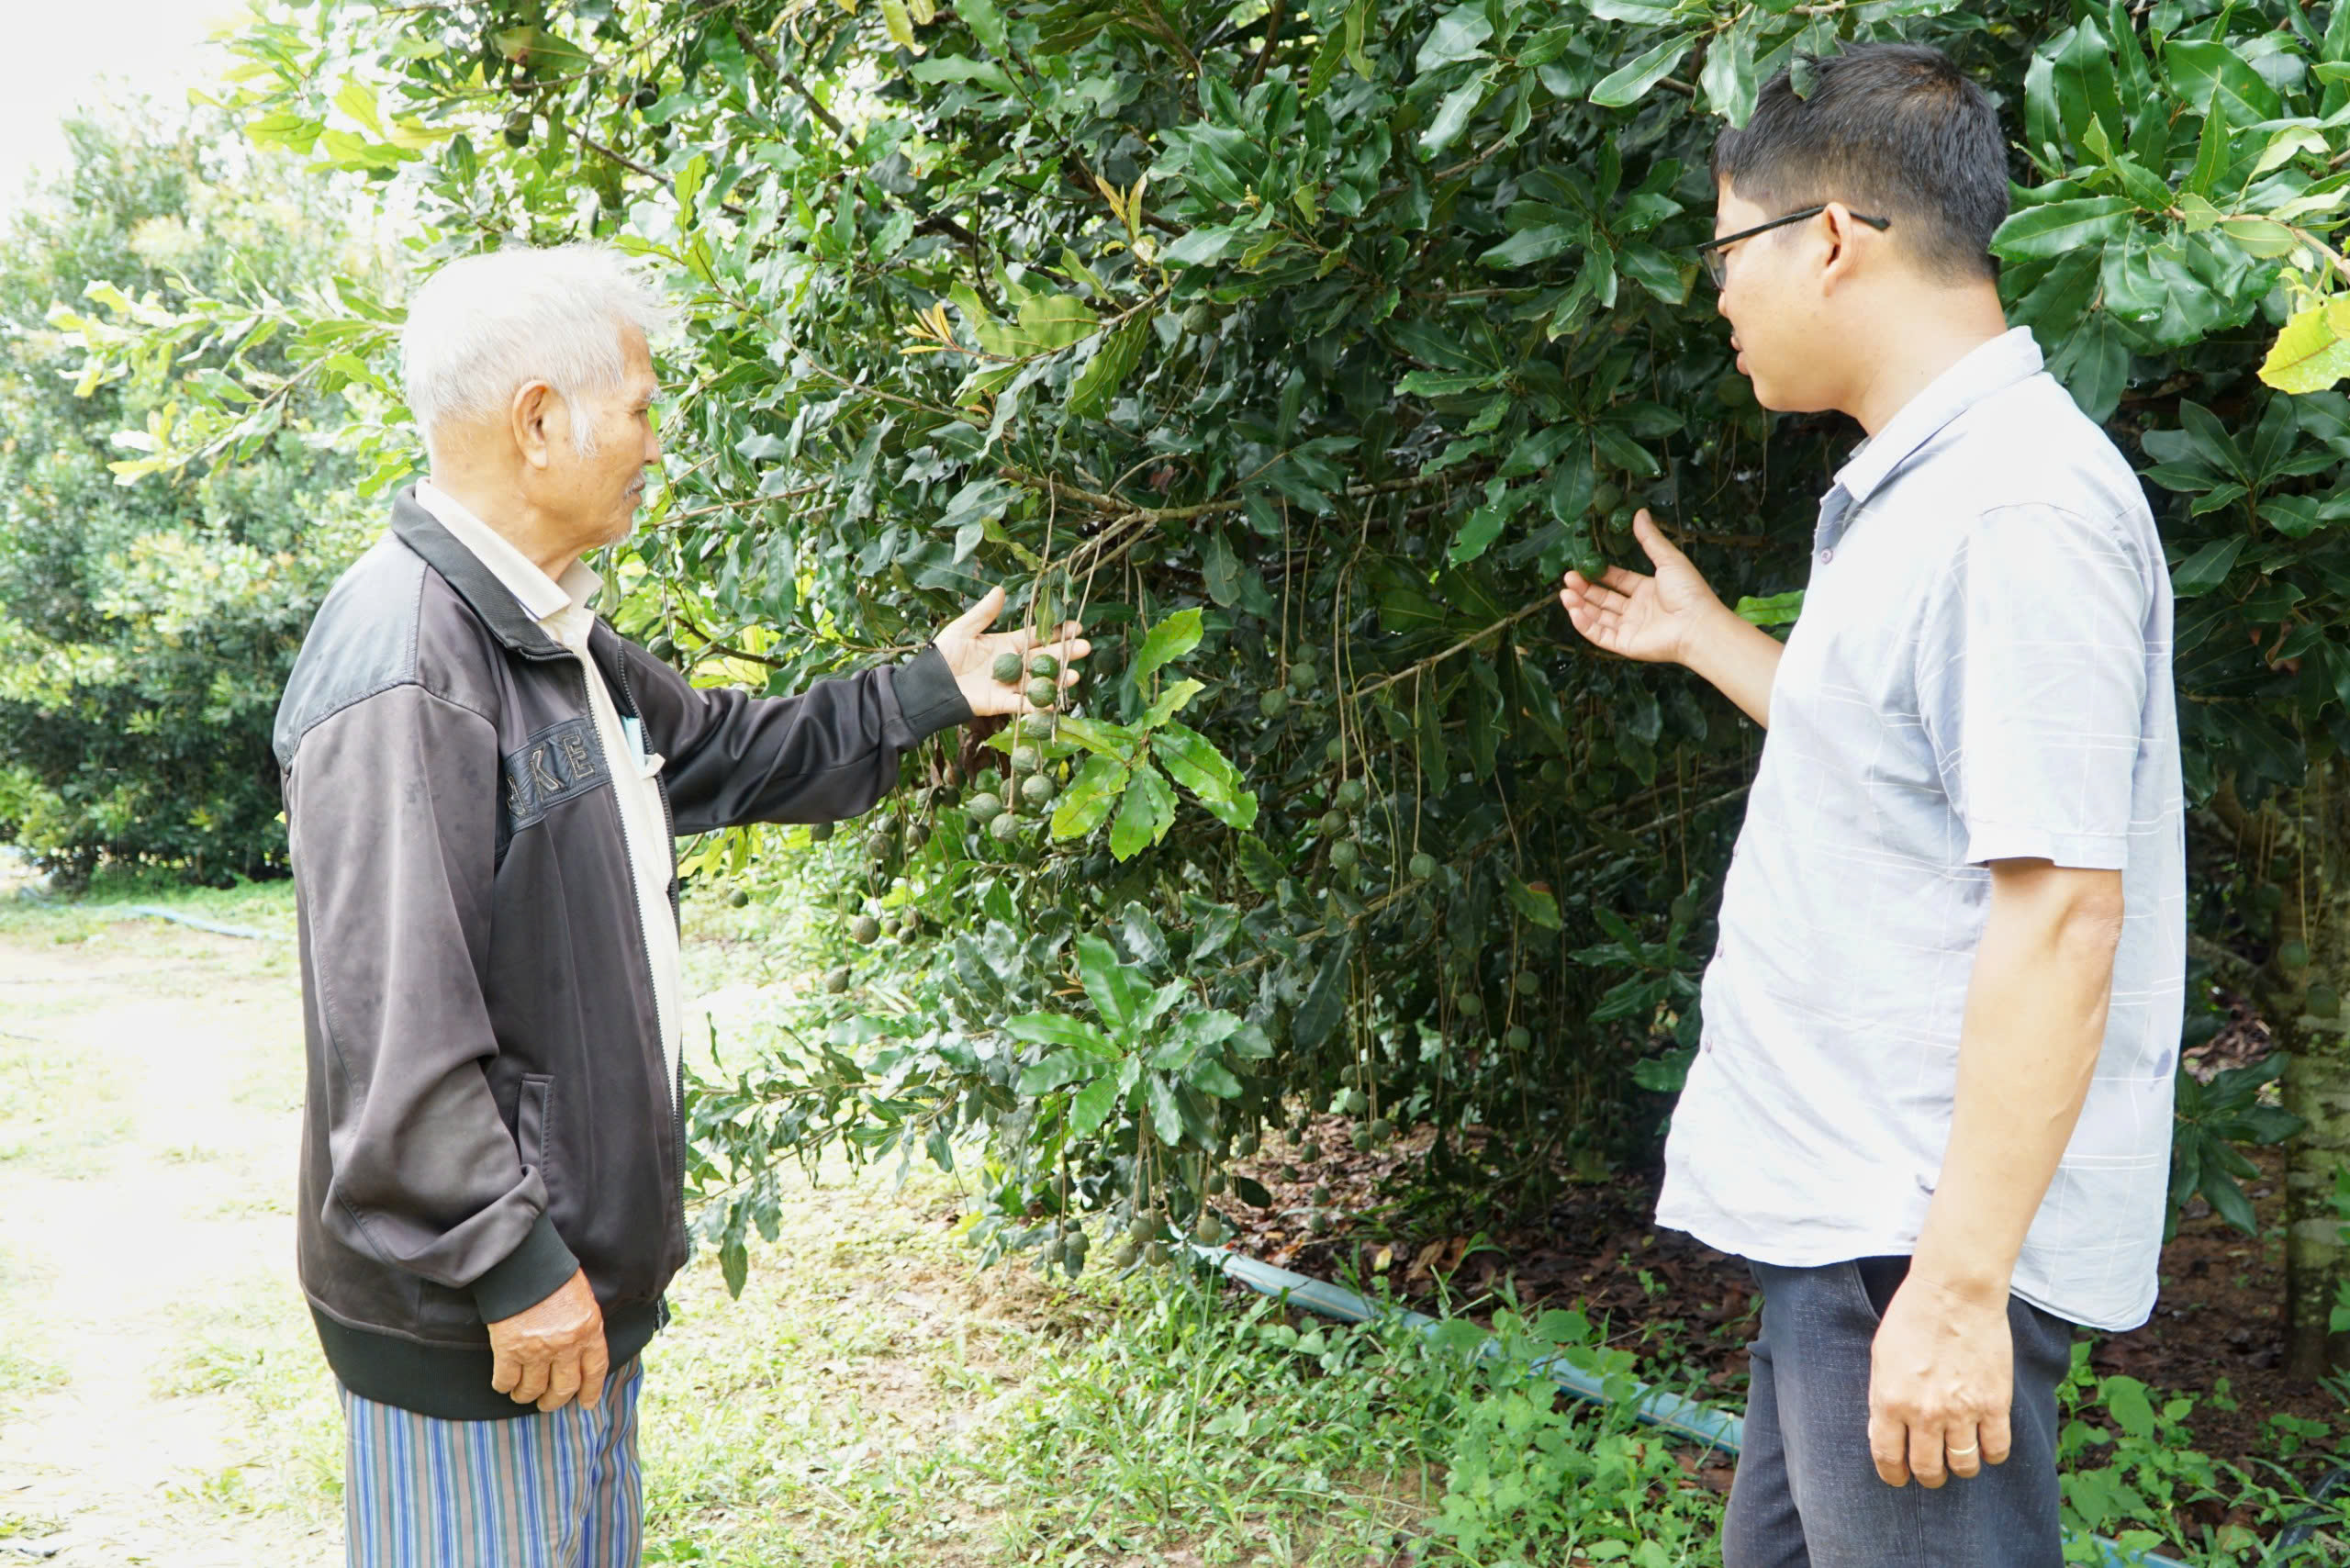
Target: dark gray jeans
point(1808, 1494)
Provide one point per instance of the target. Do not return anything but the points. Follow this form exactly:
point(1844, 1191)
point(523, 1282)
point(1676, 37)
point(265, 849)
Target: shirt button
point(1828, 554)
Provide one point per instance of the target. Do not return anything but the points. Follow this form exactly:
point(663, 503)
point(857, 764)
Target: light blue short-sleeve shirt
point(1982, 671)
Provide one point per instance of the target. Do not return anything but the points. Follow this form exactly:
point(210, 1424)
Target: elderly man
point(482, 784)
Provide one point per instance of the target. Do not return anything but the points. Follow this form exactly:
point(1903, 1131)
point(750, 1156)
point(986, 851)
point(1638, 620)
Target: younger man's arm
point(1944, 1370)
point(1674, 618)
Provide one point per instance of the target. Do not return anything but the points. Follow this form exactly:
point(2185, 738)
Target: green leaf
point(1203, 246)
point(1055, 1071)
point(2203, 70)
point(2094, 365)
point(1046, 321)
point(1325, 999)
point(2211, 151)
point(2207, 568)
point(1117, 990)
point(901, 26)
point(1629, 83)
point(1115, 742)
point(986, 24)
point(1212, 1077)
point(1485, 524)
point(2314, 349)
point(1646, 12)
point(1172, 701)
point(1528, 246)
point(1220, 568)
point(1729, 78)
point(1452, 116)
point(1662, 275)
point(1540, 908)
point(1086, 803)
point(1460, 34)
point(1112, 362)
point(1166, 1113)
point(1327, 62)
point(2212, 439)
point(961, 68)
point(357, 99)
point(1194, 763)
point(1357, 23)
point(1772, 609)
point(2313, 352)
point(1094, 1103)
point(1058, 1029)
point(2263, 237)
point(1145, 814)
point(1445, 384)
point(2126, 1402)
point(1171, 639)
point(2052, 228)
point(1259, 864)
point(2295, 516)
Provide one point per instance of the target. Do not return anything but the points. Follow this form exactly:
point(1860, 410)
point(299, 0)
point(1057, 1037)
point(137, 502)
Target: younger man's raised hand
point(1654, 619)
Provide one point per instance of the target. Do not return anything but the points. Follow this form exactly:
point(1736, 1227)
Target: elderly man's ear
point(536, 410)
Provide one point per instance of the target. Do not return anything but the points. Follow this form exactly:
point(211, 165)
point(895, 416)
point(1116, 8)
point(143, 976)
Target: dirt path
point(150, 1089)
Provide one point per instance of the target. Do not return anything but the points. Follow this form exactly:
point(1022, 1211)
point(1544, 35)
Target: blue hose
point(153, 912)
point(1654, 1406)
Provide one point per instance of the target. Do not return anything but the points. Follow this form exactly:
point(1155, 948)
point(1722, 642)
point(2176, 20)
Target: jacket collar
point(1988, 369)
point(493, 604)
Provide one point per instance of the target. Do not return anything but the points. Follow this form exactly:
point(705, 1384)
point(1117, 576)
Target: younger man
point(1932, 1107)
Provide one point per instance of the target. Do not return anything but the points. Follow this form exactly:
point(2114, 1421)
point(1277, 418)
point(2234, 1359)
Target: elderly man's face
point(598, 493)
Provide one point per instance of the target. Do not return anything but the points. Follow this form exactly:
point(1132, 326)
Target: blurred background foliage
point(145, 631)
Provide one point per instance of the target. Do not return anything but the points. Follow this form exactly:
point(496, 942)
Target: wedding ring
point(1969, 1451)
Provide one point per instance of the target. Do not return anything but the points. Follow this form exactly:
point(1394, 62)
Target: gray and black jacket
point(488, 1104)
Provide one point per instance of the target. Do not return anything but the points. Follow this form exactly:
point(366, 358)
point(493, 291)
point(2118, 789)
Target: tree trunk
point(2303, 838)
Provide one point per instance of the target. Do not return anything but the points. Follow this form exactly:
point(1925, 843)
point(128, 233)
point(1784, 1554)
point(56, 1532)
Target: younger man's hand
point(1651, 618)
point(1941, 1380)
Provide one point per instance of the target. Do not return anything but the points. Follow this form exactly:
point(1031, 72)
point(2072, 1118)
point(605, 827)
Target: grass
point(872, 1400)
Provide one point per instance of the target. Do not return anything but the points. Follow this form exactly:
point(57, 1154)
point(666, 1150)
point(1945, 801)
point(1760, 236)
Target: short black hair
point(1891, 129)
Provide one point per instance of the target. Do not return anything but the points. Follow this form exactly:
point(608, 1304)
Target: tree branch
point(1273, 20)
point(1473, 638)
point(765, 56)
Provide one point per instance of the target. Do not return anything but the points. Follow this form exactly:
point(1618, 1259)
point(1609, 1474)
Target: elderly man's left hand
point(971, 650)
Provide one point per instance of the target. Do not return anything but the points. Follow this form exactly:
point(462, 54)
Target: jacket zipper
point(669, 830)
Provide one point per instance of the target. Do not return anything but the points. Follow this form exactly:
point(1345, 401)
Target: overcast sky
point(65, 53)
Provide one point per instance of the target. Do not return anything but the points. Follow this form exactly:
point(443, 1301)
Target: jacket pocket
point(534, 1126)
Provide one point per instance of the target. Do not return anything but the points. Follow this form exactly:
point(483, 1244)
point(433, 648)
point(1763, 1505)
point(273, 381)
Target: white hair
point(485, 326)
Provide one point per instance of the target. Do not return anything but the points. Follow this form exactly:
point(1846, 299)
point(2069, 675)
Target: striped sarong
point(557, 1489)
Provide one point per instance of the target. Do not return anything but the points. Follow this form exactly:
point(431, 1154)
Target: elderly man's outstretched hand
point(971, 651)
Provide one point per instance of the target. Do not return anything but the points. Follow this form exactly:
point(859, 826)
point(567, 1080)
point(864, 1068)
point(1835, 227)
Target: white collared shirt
point(1982, 671)
point(566, 610)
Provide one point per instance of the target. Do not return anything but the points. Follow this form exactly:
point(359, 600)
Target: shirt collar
point(1991, 368)
point(543, 597)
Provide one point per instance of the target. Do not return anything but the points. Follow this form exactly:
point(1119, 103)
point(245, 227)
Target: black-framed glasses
point(1710, 253)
